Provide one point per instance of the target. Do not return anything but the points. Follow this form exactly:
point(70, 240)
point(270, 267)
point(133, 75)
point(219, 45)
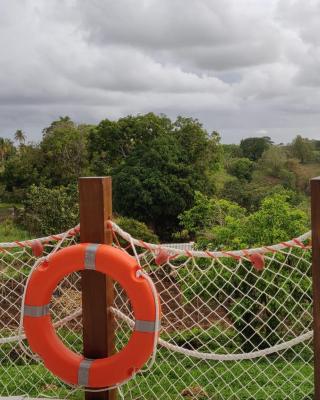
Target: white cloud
point(237, 65)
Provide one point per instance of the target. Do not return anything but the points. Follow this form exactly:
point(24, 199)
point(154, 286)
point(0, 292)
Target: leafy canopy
point(64, 152)
point(254, 147)
point(50, 210)
point(223, 224)
point(156, 164)
point(302, 149)
point(241, 168)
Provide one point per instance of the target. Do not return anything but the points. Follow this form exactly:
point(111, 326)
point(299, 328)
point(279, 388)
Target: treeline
point(160, 170)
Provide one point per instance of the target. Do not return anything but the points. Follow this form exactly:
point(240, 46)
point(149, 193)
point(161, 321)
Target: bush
point(257, 304)
point(48, 211)
point(137, 229)
point(241, 168)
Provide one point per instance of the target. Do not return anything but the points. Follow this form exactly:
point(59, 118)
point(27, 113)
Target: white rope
point(222, 357)
point(16, 338)
point(169, 248)
point(178, 349)
point(52, 238)
point(210, 254)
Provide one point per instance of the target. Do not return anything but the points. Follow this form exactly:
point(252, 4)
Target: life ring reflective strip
point(72, 367)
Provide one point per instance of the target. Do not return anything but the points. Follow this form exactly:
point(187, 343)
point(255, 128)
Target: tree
point(208, 212)
point(22, 169)
point(237, 191)
point(153, 186)
point(137, 229)
point(276, 221)
point(48, 211)
point(273, 161)
point(241, 168)
point(302, 149)
point(6, 149)
point(112, 142)
point(156, 164)
point(247, 294)
point(253, 147)
point(20, 137)
point(64, 152)
point(231, 151)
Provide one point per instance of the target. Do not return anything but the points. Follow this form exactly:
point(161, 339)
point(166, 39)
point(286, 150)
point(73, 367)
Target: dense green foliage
point(63, 156)
point(137, 229)
point(254, 147)
point(160, 169)
point(173, 179)
point(48, 210)
point(219, 223)
point(157, 165)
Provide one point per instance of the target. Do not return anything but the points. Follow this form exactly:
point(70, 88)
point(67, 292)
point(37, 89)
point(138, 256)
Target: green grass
point(10, 232)
point(174, 376)
point(168, 379)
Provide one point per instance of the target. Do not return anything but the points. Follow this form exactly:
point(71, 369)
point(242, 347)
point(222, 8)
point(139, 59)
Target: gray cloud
point(245, 68)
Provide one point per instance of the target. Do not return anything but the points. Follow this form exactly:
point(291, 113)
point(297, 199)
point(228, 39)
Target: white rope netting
point(235, 324)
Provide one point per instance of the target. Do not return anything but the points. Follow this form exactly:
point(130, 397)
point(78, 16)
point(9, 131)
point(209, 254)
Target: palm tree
point(20, 137)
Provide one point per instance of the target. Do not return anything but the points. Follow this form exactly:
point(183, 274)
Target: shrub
point(137, 229)
point(48, 211)
point(241, 168)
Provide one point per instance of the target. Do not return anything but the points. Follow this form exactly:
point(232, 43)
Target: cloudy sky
point(243, 67)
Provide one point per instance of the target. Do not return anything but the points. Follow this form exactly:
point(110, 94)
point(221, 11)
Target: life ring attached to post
point(43, 340)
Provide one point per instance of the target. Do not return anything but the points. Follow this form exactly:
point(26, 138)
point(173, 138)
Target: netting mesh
point(234, 325)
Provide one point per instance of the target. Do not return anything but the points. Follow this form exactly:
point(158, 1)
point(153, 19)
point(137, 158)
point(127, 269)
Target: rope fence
point(235, 324)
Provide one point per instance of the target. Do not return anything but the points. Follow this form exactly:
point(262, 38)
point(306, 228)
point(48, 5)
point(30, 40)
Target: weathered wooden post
point(315, 226)
point(97, 289)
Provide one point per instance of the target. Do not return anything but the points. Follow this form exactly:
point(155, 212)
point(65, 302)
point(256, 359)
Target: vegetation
point(172, 179)
point(173, 376)
point(160, 169)
point(165, 383)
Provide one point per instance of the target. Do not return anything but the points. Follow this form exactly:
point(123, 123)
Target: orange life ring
point(43, 340)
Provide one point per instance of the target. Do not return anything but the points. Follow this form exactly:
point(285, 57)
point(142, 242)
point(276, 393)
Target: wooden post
point(315, 226)
point(97, 289)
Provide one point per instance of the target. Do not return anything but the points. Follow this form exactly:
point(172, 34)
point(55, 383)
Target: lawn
point(174, 378)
